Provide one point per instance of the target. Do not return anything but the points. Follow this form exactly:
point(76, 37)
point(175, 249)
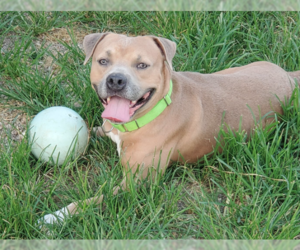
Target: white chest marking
point(116, 138)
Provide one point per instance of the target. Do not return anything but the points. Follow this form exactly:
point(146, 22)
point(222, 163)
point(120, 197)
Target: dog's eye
point(142, 66)
point(103, 62)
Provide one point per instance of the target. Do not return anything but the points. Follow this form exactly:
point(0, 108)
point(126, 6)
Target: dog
point(156, 115)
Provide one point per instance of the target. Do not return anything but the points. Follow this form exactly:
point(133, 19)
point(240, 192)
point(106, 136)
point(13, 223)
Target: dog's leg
point(74, 208)
point(150, 164)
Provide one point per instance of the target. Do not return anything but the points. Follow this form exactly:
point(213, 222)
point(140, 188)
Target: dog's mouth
point(119, 109)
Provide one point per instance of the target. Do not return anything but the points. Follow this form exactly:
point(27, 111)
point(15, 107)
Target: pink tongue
point(117, 110)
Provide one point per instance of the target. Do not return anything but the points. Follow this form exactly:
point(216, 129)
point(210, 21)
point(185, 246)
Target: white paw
point(57, 217)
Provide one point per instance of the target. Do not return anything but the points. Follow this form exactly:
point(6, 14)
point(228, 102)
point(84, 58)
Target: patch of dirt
point(13, 123)
point(50, 40)
point(8, 42)
point(64, 35)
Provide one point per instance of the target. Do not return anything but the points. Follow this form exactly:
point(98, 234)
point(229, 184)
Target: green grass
point(250, 191)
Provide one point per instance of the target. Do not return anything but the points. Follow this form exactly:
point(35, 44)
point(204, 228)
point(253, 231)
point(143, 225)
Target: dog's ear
point(90, 43)
point(167, 48)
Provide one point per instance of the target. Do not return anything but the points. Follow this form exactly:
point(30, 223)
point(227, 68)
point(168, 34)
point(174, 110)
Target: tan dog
point(132, 74)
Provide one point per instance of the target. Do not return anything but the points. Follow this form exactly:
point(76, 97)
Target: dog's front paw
point(50, 219)
point(57, 217)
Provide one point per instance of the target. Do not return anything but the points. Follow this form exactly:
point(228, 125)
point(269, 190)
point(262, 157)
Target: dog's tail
point(295, 75)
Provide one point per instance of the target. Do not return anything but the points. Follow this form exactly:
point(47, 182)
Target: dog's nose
point(116, 81)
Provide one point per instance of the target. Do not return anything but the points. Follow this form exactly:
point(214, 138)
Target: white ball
point(56, 133)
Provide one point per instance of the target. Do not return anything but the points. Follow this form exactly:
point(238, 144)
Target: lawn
point(249, 191)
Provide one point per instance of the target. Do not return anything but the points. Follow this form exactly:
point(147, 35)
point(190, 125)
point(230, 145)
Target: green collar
point(150, 116)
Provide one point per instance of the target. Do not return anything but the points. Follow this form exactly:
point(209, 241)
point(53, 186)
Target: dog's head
point(129, 74)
